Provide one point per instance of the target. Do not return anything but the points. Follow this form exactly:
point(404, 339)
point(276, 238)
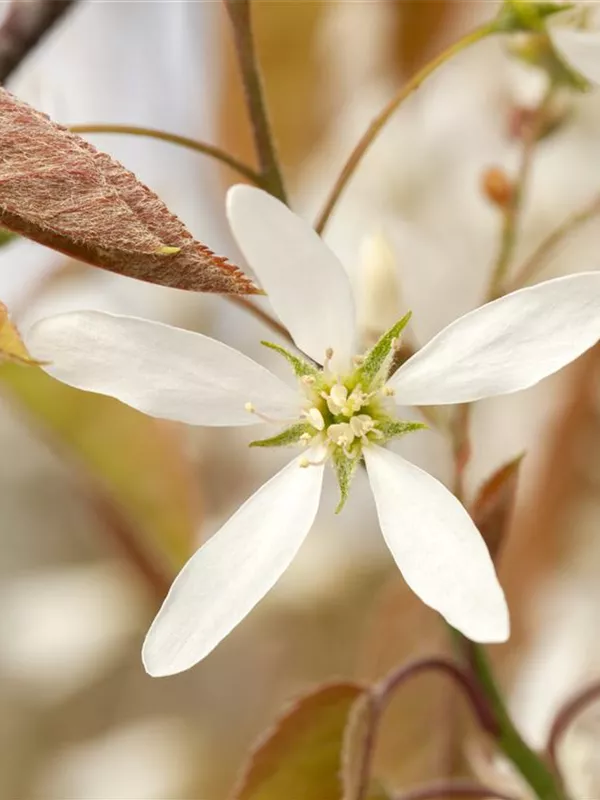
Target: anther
point(387, 391)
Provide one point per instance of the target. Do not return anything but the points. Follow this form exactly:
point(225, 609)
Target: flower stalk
point(531, 766)
point(381, 120)
point(241, 21)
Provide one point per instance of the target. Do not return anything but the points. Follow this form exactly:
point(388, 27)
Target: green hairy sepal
point(300, 366)
point(378, 360)
point(345, 467)
point(393, 428)
point(287, 437)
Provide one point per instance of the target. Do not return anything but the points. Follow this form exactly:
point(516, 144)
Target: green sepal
point(344, 467)
point(375, 360)
point(287, 437)
point(392, 428)
point(300, 366)
point(524, 15)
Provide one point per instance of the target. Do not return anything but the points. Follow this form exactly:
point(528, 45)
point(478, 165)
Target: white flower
point(576, 36)
point(341, 413)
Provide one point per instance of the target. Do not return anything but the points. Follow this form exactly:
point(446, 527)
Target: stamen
point(328, 357)
point(308, 380)
point(315, 418)
point(387, 391)
point(306, 462)
point(251, 409)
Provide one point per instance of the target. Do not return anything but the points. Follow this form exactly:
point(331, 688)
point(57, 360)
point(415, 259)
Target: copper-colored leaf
point(58, 190)
point(494, 504)
point(11, 344)
point(301, 756)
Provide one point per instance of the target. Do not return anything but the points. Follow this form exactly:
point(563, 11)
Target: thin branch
point(552, 242)
point(381, 695)
point(443, 790)
point(25, 24)
point(566, 716)
point(512, 212)
point(263, 316)
point(174, 138)
point(387, 112)
point(241, 22)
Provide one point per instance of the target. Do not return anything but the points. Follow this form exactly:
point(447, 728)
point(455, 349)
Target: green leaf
point(525, 15)
point(6, 237)
point(345, 468)
point(134, 460)
point(300, 366)
point(301, 757)
point(376, 358)
point(11, 344)
point(392, 428)
point(287, 437)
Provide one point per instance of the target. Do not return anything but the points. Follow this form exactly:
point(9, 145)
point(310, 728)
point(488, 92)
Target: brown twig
point(260, 314)
point(444, 790)
point(565, 717)
point(192, 144)
point(552, 242)
point(380, 121)
point(512, 211)
point(25, 24)
point(382, 693)
point(241, 22)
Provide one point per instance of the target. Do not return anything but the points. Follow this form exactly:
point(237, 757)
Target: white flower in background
point(342, 412)
point(575, 34)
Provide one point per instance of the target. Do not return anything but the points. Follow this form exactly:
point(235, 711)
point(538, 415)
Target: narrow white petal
point(505, 346)
point(580, 49)
point(306, 284)
point(164, 371)
point(437, 547)
point(228, 576)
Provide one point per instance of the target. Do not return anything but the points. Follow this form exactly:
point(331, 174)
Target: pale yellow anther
point(304, 462)
point(315, 418)
point(308, 380)
point(249, 407)
point(341, 434)
point(387, 391)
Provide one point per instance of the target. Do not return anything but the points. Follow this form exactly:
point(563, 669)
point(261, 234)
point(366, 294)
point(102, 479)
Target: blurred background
point(99, 505)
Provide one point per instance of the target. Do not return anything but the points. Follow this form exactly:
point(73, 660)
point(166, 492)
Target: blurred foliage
point(136, 461)
point(301, 756)
point(11, 344)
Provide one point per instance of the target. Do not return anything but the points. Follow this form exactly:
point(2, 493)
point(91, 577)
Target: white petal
point(164, 371)
point(306, 284)
point(228, 576)
point(580, 49)
point(506, 345)
point(437, 547)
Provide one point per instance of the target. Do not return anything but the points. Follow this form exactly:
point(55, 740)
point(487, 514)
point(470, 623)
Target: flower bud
point(497, 187)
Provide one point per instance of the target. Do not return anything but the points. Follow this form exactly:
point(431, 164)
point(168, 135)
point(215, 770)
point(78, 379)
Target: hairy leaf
point(137, 461)
point(11, 344)
point(494, 504)
point(301, 756)
point(58, 190)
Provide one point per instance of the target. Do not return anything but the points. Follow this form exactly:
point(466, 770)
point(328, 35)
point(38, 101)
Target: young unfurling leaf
point(58, 190)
